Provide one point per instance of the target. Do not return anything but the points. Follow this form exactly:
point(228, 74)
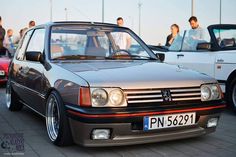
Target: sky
point(156, 15)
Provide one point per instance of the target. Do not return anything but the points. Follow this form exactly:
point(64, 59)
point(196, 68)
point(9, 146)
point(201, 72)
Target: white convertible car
point(215, 56)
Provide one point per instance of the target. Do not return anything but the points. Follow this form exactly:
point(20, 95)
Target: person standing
point(10, 41)
point(122, 39)
point(2, 33)
point(174, 32)
point(22, 32)
point(31, 24)
point(196, 32)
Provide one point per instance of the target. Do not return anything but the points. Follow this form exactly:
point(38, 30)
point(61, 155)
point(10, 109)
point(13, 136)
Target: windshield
point(94, 42)
point(189, 39)
point(226, 38)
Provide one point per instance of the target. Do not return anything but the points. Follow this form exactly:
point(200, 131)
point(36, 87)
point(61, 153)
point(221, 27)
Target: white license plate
point(168, 121)
point(2, 73)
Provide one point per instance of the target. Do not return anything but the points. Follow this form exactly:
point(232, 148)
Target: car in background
point(5, 60)
point(93, 93)
point(215, 56)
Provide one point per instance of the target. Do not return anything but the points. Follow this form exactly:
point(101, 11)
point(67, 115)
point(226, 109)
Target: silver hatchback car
point(99, 84)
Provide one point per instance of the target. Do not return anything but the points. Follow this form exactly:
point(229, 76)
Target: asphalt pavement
point(24, 134)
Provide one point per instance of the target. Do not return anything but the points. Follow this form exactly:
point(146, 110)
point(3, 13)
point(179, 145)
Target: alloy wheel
point(8, 96)
point(53, 118)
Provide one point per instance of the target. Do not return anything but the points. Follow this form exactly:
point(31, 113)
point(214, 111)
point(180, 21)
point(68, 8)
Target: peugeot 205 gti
point(94, 89)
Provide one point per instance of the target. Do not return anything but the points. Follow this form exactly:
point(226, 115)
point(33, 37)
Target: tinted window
point(23, 45)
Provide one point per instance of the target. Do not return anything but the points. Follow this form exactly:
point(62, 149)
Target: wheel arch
point(63, 87)
point(229, 80)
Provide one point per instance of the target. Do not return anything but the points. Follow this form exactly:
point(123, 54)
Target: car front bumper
point(122, 133)
point(129, 130)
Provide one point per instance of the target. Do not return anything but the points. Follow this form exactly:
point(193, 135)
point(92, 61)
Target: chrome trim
point(8, 97)
point(52, 118)
point(32, 109)
point(156, 95)
point(145, 101)
point(145, 96)
point(183, 99)
point(186, 94)
point(185, 90)
point(141, 91)
point(26, 88)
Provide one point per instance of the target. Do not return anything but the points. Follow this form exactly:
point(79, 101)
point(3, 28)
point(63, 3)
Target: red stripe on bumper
point(144, 113)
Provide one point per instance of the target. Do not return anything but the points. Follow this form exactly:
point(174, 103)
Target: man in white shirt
point(196, 33)
point(122, 39)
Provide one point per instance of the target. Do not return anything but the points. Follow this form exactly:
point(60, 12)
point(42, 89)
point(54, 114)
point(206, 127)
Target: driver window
point(22, 47)
point(37, 41)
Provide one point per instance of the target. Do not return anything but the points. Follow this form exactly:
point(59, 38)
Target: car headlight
point(210, 92)
point(99, 97)
point(107, 97)
point(116, 97)
point(205, 93)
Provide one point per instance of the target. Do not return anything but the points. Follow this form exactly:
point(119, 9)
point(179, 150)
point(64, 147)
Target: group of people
point(8, 40)
point(195, 33)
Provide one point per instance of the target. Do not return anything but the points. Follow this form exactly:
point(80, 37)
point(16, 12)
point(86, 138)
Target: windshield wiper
point(74, 57)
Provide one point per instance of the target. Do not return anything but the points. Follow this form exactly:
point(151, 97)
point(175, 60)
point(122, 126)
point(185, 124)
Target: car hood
point(135, 74)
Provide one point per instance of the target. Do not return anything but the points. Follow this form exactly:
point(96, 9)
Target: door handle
point(180, 55)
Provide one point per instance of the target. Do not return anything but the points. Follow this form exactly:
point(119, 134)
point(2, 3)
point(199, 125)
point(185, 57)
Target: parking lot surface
point(24, 134)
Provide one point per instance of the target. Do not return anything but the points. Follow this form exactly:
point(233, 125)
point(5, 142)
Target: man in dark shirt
point(2, 33)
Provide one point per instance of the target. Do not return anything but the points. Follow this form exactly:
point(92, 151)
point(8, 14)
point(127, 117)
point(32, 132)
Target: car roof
point(79, 23)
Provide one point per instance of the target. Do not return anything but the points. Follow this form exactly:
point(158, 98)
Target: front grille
point(136, 96)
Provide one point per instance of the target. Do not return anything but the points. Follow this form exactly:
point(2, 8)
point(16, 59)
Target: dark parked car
point(93, 93)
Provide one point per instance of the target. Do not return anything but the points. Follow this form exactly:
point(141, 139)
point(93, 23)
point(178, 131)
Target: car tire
point(12, 99)
point(232, 94)
point(57, 122)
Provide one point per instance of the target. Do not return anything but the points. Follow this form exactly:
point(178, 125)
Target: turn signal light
point(84, 97)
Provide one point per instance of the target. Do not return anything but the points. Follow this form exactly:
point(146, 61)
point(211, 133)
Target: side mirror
point(34, 56)
point(204, 46)
point(160, 56)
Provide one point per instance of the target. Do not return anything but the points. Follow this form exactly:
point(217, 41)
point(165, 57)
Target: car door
point(34, 72)
point(17, 76)
point(185, 51)
point(202, 61)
